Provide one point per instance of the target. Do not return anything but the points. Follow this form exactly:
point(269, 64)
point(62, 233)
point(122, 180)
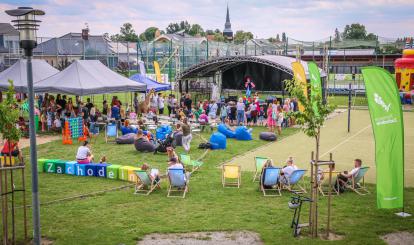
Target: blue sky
point(300, 19)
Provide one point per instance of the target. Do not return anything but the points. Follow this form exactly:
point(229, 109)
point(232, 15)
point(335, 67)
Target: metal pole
point(33, 155)
point(349, 107)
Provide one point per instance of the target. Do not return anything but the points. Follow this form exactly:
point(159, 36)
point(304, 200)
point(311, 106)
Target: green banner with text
point(316, 85)
point(388, 128)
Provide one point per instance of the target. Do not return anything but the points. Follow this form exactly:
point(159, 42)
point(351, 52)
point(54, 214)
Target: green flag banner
point(316, 85)
point(387, 124)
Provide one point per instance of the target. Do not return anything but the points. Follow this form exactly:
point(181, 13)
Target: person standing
point(187, 137)
point(212, 112)
point(161, 104)
point(170, 104)
point(188, 103)
point(270, 118)
point(154, 102)
point(240, 111)
point(136, 102)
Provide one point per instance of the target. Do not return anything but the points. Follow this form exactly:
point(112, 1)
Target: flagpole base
point(403, 214)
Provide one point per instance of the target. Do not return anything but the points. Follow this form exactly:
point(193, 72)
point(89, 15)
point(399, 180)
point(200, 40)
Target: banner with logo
point(300, 76)
point(316, 85)
point(388, 127)
point(157, 71)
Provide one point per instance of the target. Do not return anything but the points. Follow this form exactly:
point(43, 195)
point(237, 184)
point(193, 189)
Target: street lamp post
point(27, 25)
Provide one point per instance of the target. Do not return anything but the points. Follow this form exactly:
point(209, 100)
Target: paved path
point(359, 143)
point(25, 142)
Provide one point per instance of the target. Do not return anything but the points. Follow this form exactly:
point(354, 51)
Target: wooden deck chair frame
point(106, 132)
point(322, 187)
point(258, 169)
point(276, 190)
point(195, 165)
point(299, 188)
point(143, 188)
point(354, 182)
point(236, 182)
point(172, 189)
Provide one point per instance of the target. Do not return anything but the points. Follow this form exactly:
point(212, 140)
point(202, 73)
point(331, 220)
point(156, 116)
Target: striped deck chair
point(292, 183)
point(357, 182)
point(270, 177)
point(177, 182)
point(186, 160)
point(323, 184)
point(111, 130)
point(231, 175)
point(144, 185)
point(258, 162)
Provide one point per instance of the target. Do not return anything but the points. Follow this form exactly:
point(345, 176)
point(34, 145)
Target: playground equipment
point(74, 128)
point(404, 70)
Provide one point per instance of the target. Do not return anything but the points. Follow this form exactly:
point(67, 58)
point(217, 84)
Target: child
point(261, 116)
point(223, 113)
point(57, 124)
point(49, 120)
point(153, 173)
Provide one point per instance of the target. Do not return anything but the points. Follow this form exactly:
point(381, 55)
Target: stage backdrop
point(265, 77)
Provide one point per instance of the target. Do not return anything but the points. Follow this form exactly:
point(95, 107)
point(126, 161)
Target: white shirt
point(354, 171)
point(83, 152)
point(160, 102)
point(240, 106)
point(58, 123)
point(213, 110)
point(154, 101)
point(288, 170)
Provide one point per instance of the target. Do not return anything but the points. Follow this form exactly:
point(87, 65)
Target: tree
point(196, 29)
point(175, 27)
point(284, 39)
point(357, 31)
point(337, 37)
point(148, 34)
point(127, 34)
point(277, 38)
point(9, 115)
point(218, 37)
point(241, 37)
point(209, 32)
point(311, 119)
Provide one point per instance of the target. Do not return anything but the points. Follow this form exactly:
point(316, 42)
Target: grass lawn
point(119, 217)
point(342, 100)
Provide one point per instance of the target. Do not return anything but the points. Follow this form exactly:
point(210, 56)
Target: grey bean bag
point(126, 139)
point(144, 145)
point(268, 136)
point(178, 138)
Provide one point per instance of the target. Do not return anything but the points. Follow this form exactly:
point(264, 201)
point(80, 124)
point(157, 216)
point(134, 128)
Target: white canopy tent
point(86, 77)
point(18, 74)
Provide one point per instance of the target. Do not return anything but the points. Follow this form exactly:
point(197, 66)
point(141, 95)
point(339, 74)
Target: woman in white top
point(154, 102)
point(240, 111)
point(160, 104)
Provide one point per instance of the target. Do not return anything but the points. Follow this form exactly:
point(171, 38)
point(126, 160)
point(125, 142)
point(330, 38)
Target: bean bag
point(128, 130)
point(222, 128)
point(163, 131)
point(178, 138)
point(218, 141)
point(268, 136)
point(243, 133)
point(144, 145)
point(126, 139)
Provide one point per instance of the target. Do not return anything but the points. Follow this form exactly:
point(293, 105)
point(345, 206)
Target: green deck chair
point(259, 162)
point(144, 185)
point(186, 160)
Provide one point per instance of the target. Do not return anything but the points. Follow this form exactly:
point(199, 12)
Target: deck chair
point(292, 183)
point(259, 162)
point(111, 130)
point(194, 165)
point(93, 131)
point(357, 182)
point(177, 182)
point(231, 175)
point(270, 177)
point(144, 185)
point(323, 184)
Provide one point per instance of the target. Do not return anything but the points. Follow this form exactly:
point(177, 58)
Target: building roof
point(7, 29)
point(180, 37)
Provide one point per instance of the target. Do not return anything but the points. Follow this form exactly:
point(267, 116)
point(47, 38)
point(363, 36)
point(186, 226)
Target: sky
point(300, 19)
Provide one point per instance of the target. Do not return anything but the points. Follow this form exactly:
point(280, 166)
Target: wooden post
point(6, 208)
point(3, 211)
point(328, 225)
point(12, 207)
point(311, 215)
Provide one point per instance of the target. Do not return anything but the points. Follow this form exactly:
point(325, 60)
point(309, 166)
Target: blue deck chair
point(258, 165)
point(357, 182)
point(177, 182)
point(293, 181)
point(270, 177)
point(111, 130)
point(144, 185)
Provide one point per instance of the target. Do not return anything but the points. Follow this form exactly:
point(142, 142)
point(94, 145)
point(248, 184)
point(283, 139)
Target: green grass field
point(119, 217)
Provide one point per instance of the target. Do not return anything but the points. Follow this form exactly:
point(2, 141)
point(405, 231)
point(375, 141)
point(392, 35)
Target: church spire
point(227, 32)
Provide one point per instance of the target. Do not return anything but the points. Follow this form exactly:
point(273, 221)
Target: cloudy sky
point(300, 19)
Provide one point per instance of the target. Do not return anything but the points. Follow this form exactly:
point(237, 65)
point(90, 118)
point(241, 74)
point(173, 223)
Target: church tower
point(227, 32)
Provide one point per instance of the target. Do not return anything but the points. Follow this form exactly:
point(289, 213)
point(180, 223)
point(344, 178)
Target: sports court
point(359, 143)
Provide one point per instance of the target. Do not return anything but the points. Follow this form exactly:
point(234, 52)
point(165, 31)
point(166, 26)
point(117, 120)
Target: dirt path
point(25, 142)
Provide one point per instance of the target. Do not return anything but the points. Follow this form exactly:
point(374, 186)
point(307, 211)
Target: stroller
point(162, 145)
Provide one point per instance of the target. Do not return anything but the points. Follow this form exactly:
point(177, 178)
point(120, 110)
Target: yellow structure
point(404, 70)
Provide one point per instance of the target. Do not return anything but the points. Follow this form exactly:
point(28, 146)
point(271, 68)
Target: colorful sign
point(300, 76)
point(316, 85)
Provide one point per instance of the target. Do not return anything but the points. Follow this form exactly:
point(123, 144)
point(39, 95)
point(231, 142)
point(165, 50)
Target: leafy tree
point(284, 39)
point(241, 37)
point(277, 38)
point(217, 31)
point(9, 115)
point(218, 37)
point(127, 34)
point(196, 29)
point(337, 37)
point(390, 49)
point(175, 27)
point(357, 31)
point(311, 120)
point(209, 32)
point(148, 34)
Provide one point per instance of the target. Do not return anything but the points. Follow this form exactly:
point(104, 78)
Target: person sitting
point(268, 164)
point(84, 154)
point(12, 148)
point(142, 143)
point(288, 170)
point(115, 112)
point(174, 163)
point(171, 153)
point(154, 173)
point(345, 176)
